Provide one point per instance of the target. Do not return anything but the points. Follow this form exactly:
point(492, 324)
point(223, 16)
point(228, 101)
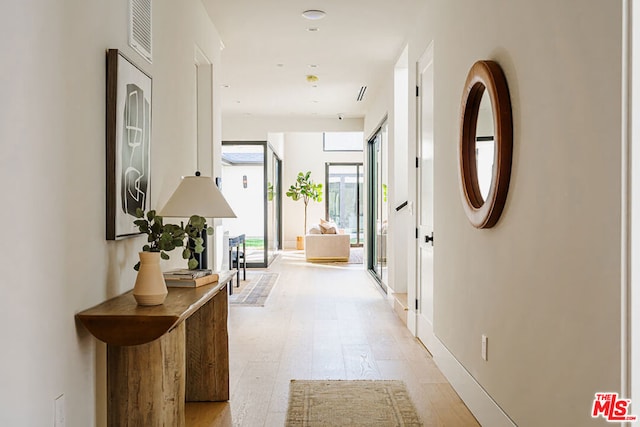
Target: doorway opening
point(251, 184)
point(344, 199)
point(378, 209)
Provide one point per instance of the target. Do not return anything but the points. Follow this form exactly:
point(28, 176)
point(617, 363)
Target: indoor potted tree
point(150, 287)
point(304, 188)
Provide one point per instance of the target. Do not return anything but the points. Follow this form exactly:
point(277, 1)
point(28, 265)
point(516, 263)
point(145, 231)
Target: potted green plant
point(150, 288)
point(161, 238)
point(164, 238)
point(306, 190)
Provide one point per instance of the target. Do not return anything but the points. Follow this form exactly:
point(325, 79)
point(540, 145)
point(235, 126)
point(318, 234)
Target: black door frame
point(372, 179)
point(265, 146)
point(359, 170)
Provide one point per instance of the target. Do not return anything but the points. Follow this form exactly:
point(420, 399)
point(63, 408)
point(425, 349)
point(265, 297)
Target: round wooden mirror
point(484, 206)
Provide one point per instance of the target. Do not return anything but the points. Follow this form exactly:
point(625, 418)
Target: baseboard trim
point(411, 322)
point(481, 405)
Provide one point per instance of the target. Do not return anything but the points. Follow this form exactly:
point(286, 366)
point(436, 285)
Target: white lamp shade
point(197, 195)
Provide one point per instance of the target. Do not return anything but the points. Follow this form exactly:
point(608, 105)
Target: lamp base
point(201, 257)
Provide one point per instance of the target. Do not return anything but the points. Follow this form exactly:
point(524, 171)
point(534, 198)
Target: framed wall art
point(128, 144)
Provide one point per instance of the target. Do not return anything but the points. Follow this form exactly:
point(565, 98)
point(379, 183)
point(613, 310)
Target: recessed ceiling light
point(311, 78)
point(313, 29)
point(314, 85)
point(313, 14)
point(315, 101)
point(313, 65)
point(279, 65)
point(226, 85)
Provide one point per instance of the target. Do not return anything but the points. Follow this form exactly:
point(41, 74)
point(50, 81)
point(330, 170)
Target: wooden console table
point(160, 357)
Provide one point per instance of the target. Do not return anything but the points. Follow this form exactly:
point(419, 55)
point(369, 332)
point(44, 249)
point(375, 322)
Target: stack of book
point(189, 278)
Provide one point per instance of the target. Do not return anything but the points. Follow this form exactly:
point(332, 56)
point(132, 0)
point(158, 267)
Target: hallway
point(327, 321)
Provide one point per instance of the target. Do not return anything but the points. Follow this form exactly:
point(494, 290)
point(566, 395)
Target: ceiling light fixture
point(313, 14)
point(313, 65)
point(313, 29)
point(311, 78)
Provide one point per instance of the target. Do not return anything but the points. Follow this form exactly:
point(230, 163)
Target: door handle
point(428, 239)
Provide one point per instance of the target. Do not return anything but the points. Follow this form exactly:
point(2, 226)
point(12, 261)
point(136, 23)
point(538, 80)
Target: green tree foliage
point(305, 189)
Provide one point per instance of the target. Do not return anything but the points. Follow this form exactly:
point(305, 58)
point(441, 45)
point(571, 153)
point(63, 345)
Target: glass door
point(344, 198)
point(378, 206)
point(251, 186)
point(273, 198)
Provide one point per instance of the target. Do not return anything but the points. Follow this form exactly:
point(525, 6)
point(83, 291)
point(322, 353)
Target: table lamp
point(197, 195)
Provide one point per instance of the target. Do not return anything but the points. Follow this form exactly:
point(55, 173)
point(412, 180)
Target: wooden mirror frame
point(485, 75)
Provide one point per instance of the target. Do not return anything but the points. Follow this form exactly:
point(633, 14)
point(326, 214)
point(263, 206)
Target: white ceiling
point(357, 44)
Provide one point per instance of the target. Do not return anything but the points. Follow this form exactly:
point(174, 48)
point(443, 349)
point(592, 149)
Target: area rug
point(256, 291)
point(350, 403)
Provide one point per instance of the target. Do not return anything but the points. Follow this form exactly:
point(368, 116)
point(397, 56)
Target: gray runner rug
point(256, 292)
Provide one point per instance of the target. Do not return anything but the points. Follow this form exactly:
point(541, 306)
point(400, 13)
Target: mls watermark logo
point(611, 408)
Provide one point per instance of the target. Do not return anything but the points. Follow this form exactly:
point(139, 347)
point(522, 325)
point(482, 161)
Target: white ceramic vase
point(150, 288)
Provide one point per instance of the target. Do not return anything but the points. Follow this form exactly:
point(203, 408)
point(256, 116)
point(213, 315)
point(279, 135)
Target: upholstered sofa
point(325, 243)
point(327, 247)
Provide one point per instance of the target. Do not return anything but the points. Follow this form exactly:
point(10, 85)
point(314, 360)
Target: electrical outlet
point(485, 342)
point(59, 413)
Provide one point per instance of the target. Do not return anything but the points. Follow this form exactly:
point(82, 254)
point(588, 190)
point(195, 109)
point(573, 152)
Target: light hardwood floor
point(327, 321)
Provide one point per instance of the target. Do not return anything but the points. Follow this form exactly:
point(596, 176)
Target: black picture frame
point(128, 144)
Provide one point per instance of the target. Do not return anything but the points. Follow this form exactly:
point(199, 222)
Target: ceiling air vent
point(360, 97)
point(140, 27)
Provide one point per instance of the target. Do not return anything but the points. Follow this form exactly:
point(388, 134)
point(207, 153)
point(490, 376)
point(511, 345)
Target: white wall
point(257, 128)
point(545, 281)
point(386, 107)
point(245, 202)
point(543, 284)
point(304, 152)
point(276, 140)
point(399, 192)
point(56, 261)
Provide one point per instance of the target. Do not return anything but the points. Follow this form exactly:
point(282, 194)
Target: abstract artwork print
point(135, 150)
point(128, 144)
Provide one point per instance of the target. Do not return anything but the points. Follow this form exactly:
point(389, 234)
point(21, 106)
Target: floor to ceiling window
point(344, 198)
point(378, 210)
point(251, 185)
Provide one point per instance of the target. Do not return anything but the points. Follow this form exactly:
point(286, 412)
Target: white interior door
point(424, 291)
